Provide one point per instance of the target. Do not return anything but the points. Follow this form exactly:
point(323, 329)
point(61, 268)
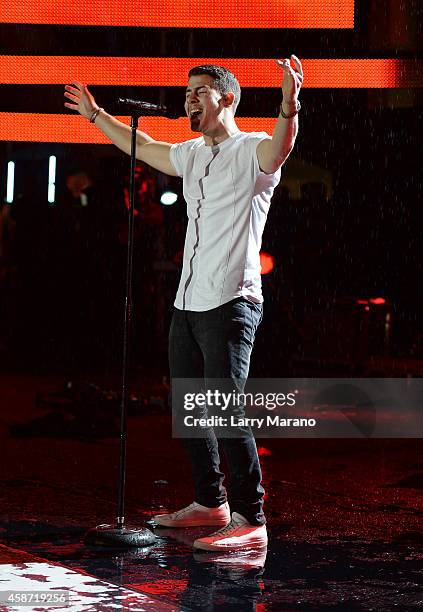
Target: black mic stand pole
point(119, 535)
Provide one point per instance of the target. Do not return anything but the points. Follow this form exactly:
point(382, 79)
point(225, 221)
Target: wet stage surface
point(345, 520)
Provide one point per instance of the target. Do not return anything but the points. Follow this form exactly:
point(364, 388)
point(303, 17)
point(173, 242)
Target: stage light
point(51, 179)
point(10, 182)
point(267, 262)
point(168, 198)
point(377, 300)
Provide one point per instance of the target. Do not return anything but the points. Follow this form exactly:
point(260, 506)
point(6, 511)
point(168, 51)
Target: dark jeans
point(217, 343)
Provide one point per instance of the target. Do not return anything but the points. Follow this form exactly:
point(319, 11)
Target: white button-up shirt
point(228, 198)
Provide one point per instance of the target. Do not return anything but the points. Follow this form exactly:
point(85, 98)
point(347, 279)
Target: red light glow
point(267, 262)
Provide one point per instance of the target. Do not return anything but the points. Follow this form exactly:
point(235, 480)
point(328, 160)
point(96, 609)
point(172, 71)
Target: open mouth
point(195, 113)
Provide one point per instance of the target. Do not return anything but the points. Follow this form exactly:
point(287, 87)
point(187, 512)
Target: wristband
point(298, 107)
point(94, 115)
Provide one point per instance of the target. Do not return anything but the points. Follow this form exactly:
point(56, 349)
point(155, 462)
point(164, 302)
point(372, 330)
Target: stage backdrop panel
point(184, 13)
point(172, 71)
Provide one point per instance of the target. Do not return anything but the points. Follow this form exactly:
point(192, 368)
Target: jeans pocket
point(257, 314)
point(243, 317)
point(253, 317)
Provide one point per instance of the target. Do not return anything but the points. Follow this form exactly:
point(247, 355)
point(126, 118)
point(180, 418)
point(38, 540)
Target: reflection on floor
point(344, 521)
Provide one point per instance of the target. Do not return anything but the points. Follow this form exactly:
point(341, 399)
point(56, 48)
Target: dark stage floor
point(344, 518)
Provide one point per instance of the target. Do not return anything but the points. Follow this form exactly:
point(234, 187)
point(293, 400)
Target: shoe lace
point(233, 524)
point(183, 510)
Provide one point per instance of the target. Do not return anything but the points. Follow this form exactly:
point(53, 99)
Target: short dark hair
point(224, 80)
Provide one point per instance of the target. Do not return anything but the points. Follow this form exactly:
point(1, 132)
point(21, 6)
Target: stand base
point(114, 537)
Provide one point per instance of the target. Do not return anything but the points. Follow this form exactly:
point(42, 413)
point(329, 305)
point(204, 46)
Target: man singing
point(228, 180)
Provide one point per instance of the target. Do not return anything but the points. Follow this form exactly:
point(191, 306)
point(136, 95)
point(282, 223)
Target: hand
point(82, 100)
point(292, 78)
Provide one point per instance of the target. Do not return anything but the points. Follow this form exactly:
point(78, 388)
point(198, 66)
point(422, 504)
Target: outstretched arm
point(272, 153)
point(148, 150)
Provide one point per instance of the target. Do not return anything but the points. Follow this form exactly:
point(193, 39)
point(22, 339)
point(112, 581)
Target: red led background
point(183, 13)
point(172, 71)
point(76, 129)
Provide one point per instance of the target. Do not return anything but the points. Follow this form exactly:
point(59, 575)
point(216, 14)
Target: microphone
point(147, 108)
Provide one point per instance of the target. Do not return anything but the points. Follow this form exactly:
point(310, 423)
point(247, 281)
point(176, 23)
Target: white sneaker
point(195, 515)
point(239, 534)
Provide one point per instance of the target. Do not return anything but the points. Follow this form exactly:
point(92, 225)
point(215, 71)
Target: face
point(203, 103)
point(76, 183)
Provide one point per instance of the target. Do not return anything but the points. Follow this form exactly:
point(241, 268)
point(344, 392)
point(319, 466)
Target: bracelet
point(298, 107)
point(94, 115)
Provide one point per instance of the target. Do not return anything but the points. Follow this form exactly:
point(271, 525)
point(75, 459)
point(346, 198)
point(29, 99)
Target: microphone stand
point(118, 535)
